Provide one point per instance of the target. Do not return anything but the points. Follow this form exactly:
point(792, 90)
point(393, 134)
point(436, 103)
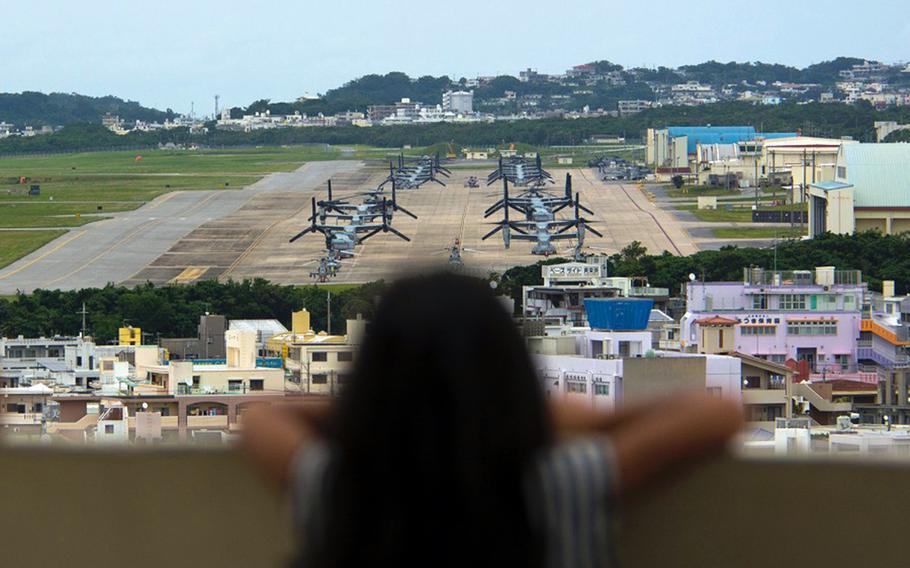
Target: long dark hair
point(435, 434)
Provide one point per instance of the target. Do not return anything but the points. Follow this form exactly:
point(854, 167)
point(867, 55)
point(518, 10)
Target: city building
point(560, 300)
point(810, 318)
point(318, 363)
point(461, 102)
point(208, 343)
point(23, 410)
point(264, 329)
point(868, 192)
point(613, 362)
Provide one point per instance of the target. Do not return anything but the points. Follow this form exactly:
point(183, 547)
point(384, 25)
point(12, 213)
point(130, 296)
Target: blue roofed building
point(673, 150)
point(870, 191)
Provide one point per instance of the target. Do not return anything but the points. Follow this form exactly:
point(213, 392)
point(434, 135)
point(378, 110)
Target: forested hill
point(633, 83)
point(56, 109)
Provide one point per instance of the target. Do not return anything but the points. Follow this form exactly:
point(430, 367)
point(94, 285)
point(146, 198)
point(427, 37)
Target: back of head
point(434, 433)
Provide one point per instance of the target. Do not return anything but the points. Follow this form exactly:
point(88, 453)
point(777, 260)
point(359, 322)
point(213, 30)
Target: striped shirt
point(569, 492)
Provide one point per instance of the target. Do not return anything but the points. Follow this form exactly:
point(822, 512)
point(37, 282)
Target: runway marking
point(95, 258)
point(163, 199)
point(190, 274)
point(640, 208)
point(43, 255)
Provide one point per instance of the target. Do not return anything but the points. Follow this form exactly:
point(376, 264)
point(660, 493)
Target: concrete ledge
point(197, 507)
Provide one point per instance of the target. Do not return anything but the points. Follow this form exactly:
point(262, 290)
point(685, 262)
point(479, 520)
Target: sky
point(171, 54)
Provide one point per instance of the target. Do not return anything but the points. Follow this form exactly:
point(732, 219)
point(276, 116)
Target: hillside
point(55, 109)
point(596, 91)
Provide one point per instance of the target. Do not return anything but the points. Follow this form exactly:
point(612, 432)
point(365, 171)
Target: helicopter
point(456, 252)
point(520, 172)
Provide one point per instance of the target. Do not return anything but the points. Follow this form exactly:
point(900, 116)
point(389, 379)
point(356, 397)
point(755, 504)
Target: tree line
point(813, 119)
point(174, 310)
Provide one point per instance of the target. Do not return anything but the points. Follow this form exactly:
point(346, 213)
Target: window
point(757, 330)
point(793, 302)
point(257, 384)
point(843, 361)
point(320, 356)
point(720, 338)
point(38, 407)
point(183, 388)
point(842, 172)
point(345, 356)
point(108, 428)
point(811, 328)
point(576, 387)
point(824, 302)
point(760, 302)
point(78, 360)
point(777, 358)
point(235, 385)
point(165, 411)
point(196, 379)
point(602, 389)
point(320, 379)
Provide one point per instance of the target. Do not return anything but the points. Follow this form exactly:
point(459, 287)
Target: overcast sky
point(167, 53)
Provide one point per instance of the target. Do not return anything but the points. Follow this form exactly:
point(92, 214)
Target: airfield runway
point(621, 212)
point(188, 236)
point(118, 249)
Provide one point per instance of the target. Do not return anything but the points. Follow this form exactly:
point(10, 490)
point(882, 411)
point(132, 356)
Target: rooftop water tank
point(618, 314)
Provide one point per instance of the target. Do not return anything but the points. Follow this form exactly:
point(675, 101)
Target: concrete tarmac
point(621, 212)
point(117, 250)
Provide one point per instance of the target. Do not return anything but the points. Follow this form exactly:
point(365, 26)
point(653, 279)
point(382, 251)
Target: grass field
point(703, 190)
point(90, 184)
point(722, 215)
point(758, 233)
point(16, 244)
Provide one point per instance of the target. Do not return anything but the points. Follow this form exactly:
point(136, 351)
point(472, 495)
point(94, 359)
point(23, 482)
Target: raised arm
point(273, 434)
point(651, 438)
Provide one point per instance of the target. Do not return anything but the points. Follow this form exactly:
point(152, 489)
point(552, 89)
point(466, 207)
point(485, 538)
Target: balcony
point(20, 419)
point(648, 291)
point(215, 422)
point(228, 518)
point(764, 396)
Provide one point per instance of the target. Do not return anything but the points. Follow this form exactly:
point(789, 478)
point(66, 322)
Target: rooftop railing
point(762, 277)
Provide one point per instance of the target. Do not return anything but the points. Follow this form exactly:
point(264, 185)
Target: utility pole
point(83, 312)
point(802, 218)
point(328, 324)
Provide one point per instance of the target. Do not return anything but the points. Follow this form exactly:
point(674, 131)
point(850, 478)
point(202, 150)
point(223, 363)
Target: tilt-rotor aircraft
point(542, 233)
point(414, 175)
point(520, 172)
point(342, 238)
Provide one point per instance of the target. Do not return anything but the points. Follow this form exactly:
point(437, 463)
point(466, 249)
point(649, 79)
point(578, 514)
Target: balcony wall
point(205, 508)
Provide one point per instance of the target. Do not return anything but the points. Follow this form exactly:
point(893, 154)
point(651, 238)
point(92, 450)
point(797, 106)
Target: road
point(117, 250)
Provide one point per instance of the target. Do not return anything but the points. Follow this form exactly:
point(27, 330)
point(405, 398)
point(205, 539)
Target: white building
point(460, 102)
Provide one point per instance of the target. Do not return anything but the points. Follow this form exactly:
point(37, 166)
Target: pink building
point(801, 315)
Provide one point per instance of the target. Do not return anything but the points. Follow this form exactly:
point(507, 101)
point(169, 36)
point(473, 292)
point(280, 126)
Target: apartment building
point(804, 316)
point(318, 363)
point(614, 361)
point(23, 410)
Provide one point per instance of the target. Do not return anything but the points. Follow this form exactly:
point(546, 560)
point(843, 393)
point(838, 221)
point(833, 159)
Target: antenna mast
point(83, 312)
